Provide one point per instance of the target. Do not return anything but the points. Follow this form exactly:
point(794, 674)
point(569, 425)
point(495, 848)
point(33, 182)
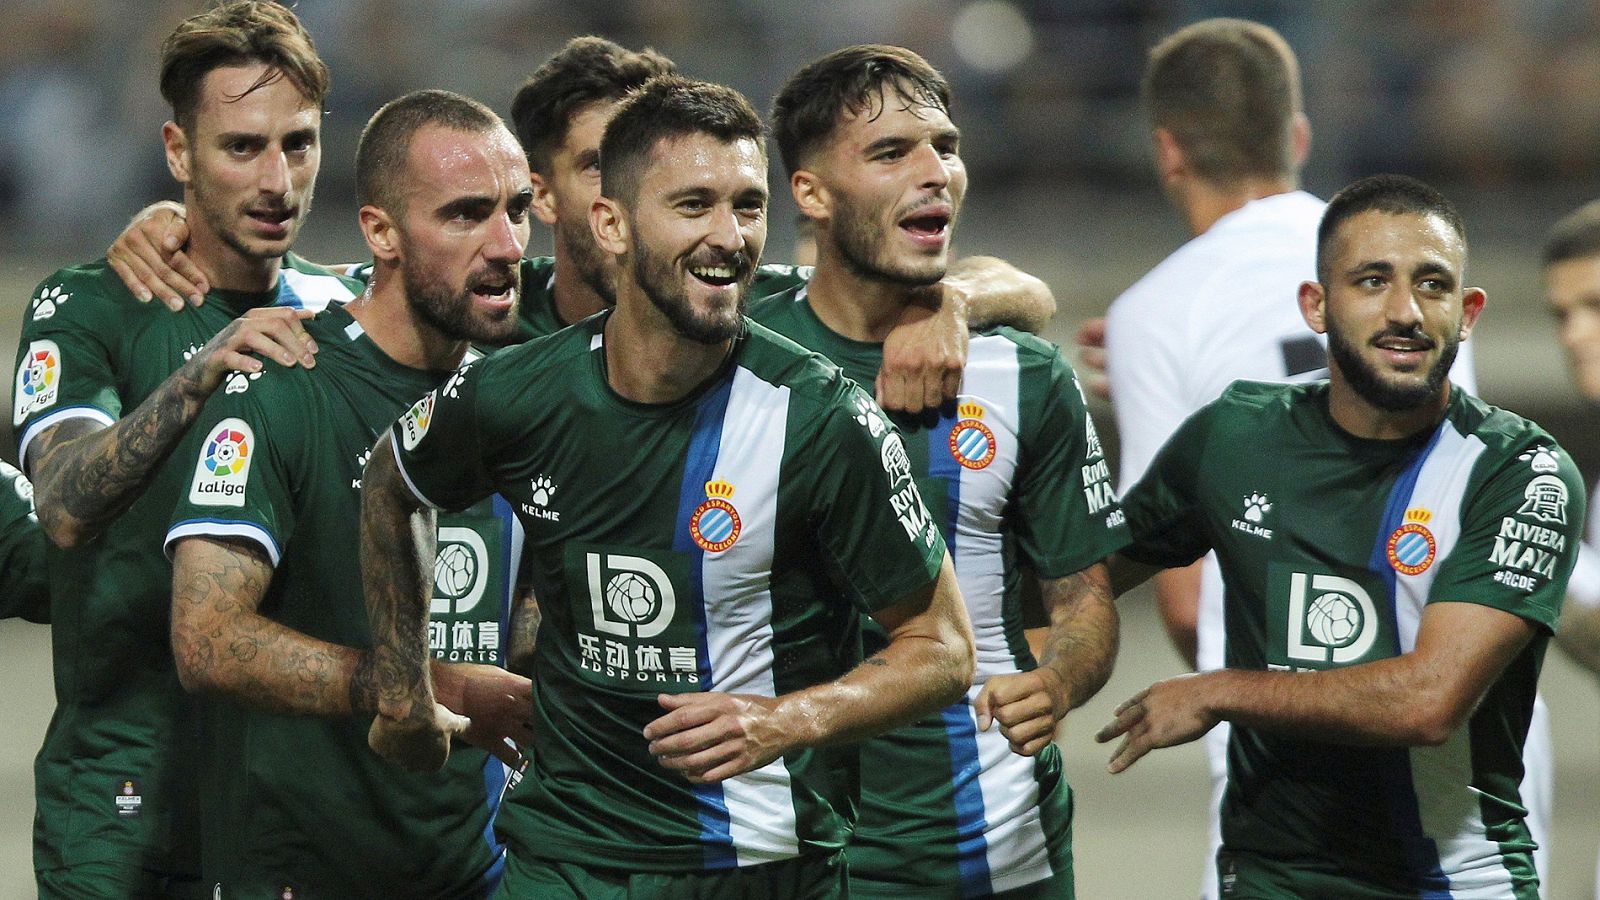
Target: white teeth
point(713, 271)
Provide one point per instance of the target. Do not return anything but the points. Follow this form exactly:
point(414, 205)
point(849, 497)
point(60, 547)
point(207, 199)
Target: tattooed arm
point(85, 475)
point(525, 619)
point(223, 645)
point(1079, 651)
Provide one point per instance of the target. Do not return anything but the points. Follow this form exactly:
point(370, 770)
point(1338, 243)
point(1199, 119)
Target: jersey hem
point(219, 528)
point(93, 413)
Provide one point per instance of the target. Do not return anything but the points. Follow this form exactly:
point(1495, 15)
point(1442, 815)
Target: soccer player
point(1572, 291)
point(107, 385)
point(1394, 554)
point(707, 505)
point(559, 114)
point(1014, 476)
point(267, 612)
point(24, 585)
point(1230, 138)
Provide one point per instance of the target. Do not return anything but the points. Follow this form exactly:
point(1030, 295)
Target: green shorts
point(114, 881)
point(802, 878)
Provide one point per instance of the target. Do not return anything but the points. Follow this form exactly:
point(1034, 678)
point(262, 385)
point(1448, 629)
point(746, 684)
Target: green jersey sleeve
point(1065, 515)
point(775, 279)
point(66, 364)
point(1165, 521)
point(1520, 536)
point(24, 587)
point(865, 506)
point(237, 467)
point(438, 447)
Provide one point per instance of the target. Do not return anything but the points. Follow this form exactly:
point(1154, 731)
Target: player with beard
point(106, 386)
point(559, 114)
point(268, 622)
point(1013, 475)
point(708, 506)
point(1394, 555)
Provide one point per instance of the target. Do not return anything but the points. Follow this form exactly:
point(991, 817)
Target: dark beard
point(859, 241)
point(451, 313)
point(655, 276)
point(1367, 383)
point(590, 264)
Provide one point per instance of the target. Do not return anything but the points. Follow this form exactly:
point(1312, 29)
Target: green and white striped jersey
point(108, 777)
point(723, 542)
point(1330, 548)
point(300, 804)
point(1015, 477)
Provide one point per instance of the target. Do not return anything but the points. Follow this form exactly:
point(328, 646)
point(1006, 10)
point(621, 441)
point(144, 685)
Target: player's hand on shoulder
point(499, 704)
point(1091, 340)
point(1166, 714)
point(270, 332)
point(712, 736)
point(148, 256)
point(924, 355)
point(1028, 706)
point(417, 743)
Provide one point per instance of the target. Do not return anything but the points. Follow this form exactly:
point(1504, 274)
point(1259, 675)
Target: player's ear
point(544, 200)
point(1170, 159)
point(610, 226)
point(176, 143)
point(378, 228)
point(810, 194)
point(1300, 139)
point(1472, 301)
point(1314, 306)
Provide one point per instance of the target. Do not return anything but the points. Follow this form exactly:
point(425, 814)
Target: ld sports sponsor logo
point(38, 380)
point(223, 469)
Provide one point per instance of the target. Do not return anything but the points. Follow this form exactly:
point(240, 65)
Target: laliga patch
point(715, 524)
point(414, 424)
point(1411, 547)
point(223, 469)
point(38, 380)
point(971, 442)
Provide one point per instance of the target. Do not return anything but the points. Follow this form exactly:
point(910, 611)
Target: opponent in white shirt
point(1230, 138)
point(1572, 291)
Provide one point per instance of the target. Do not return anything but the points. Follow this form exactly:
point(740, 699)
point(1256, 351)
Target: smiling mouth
point(717, 276)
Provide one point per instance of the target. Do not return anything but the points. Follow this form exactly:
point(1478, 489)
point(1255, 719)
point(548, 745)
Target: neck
point(227, 268)
point(386, 316)
point(575, 299)
point(1203, 202)
point(647, 361)
point(1356, 415)
point(851, 305)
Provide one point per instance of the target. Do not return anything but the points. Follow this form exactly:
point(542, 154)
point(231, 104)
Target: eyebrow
point(476, 206)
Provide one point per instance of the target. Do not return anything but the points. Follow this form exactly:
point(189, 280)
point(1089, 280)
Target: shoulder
point(537, 270)
point(772, 277)
point(775, 306)
point(810, 378)
point(85, 288)
point(1509, 440)
point(314, 287)
point(552, 355)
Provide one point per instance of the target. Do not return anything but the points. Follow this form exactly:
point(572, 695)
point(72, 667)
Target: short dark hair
point(237, 34)
point(382, 155)
point(1393, 194)
point(665, 108)
point(587, 70)
point(1229, 91)
point(1576, 236)
point(816, 99)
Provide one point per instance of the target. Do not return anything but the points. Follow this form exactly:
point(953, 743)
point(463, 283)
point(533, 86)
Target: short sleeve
point(1066, 516)
point(65, 366)
point(24, 584)
point(235, 469)
point(438, 446)
point(1520, 537)
point(864, 504)
point(1165, 521)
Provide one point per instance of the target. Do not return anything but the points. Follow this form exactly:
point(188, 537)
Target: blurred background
point(1497, 102)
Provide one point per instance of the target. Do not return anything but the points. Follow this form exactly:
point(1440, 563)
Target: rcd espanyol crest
point(715, 524)
point(971, 442)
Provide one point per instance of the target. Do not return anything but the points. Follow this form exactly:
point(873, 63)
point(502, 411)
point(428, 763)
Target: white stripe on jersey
point(1448, 806)
point(37, 426)
point(990, 379)
point(1016, 850)
point(761, 813)
point(316, 291)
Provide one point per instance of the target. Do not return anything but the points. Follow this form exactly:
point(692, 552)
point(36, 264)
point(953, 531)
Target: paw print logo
point(1256, 506)
point(1542, 459)
point(453, 383)
point(239, 382)
point(543, 487)
point(189, 353)
point(49, 299)
point(361, 460)
point(867, 416)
